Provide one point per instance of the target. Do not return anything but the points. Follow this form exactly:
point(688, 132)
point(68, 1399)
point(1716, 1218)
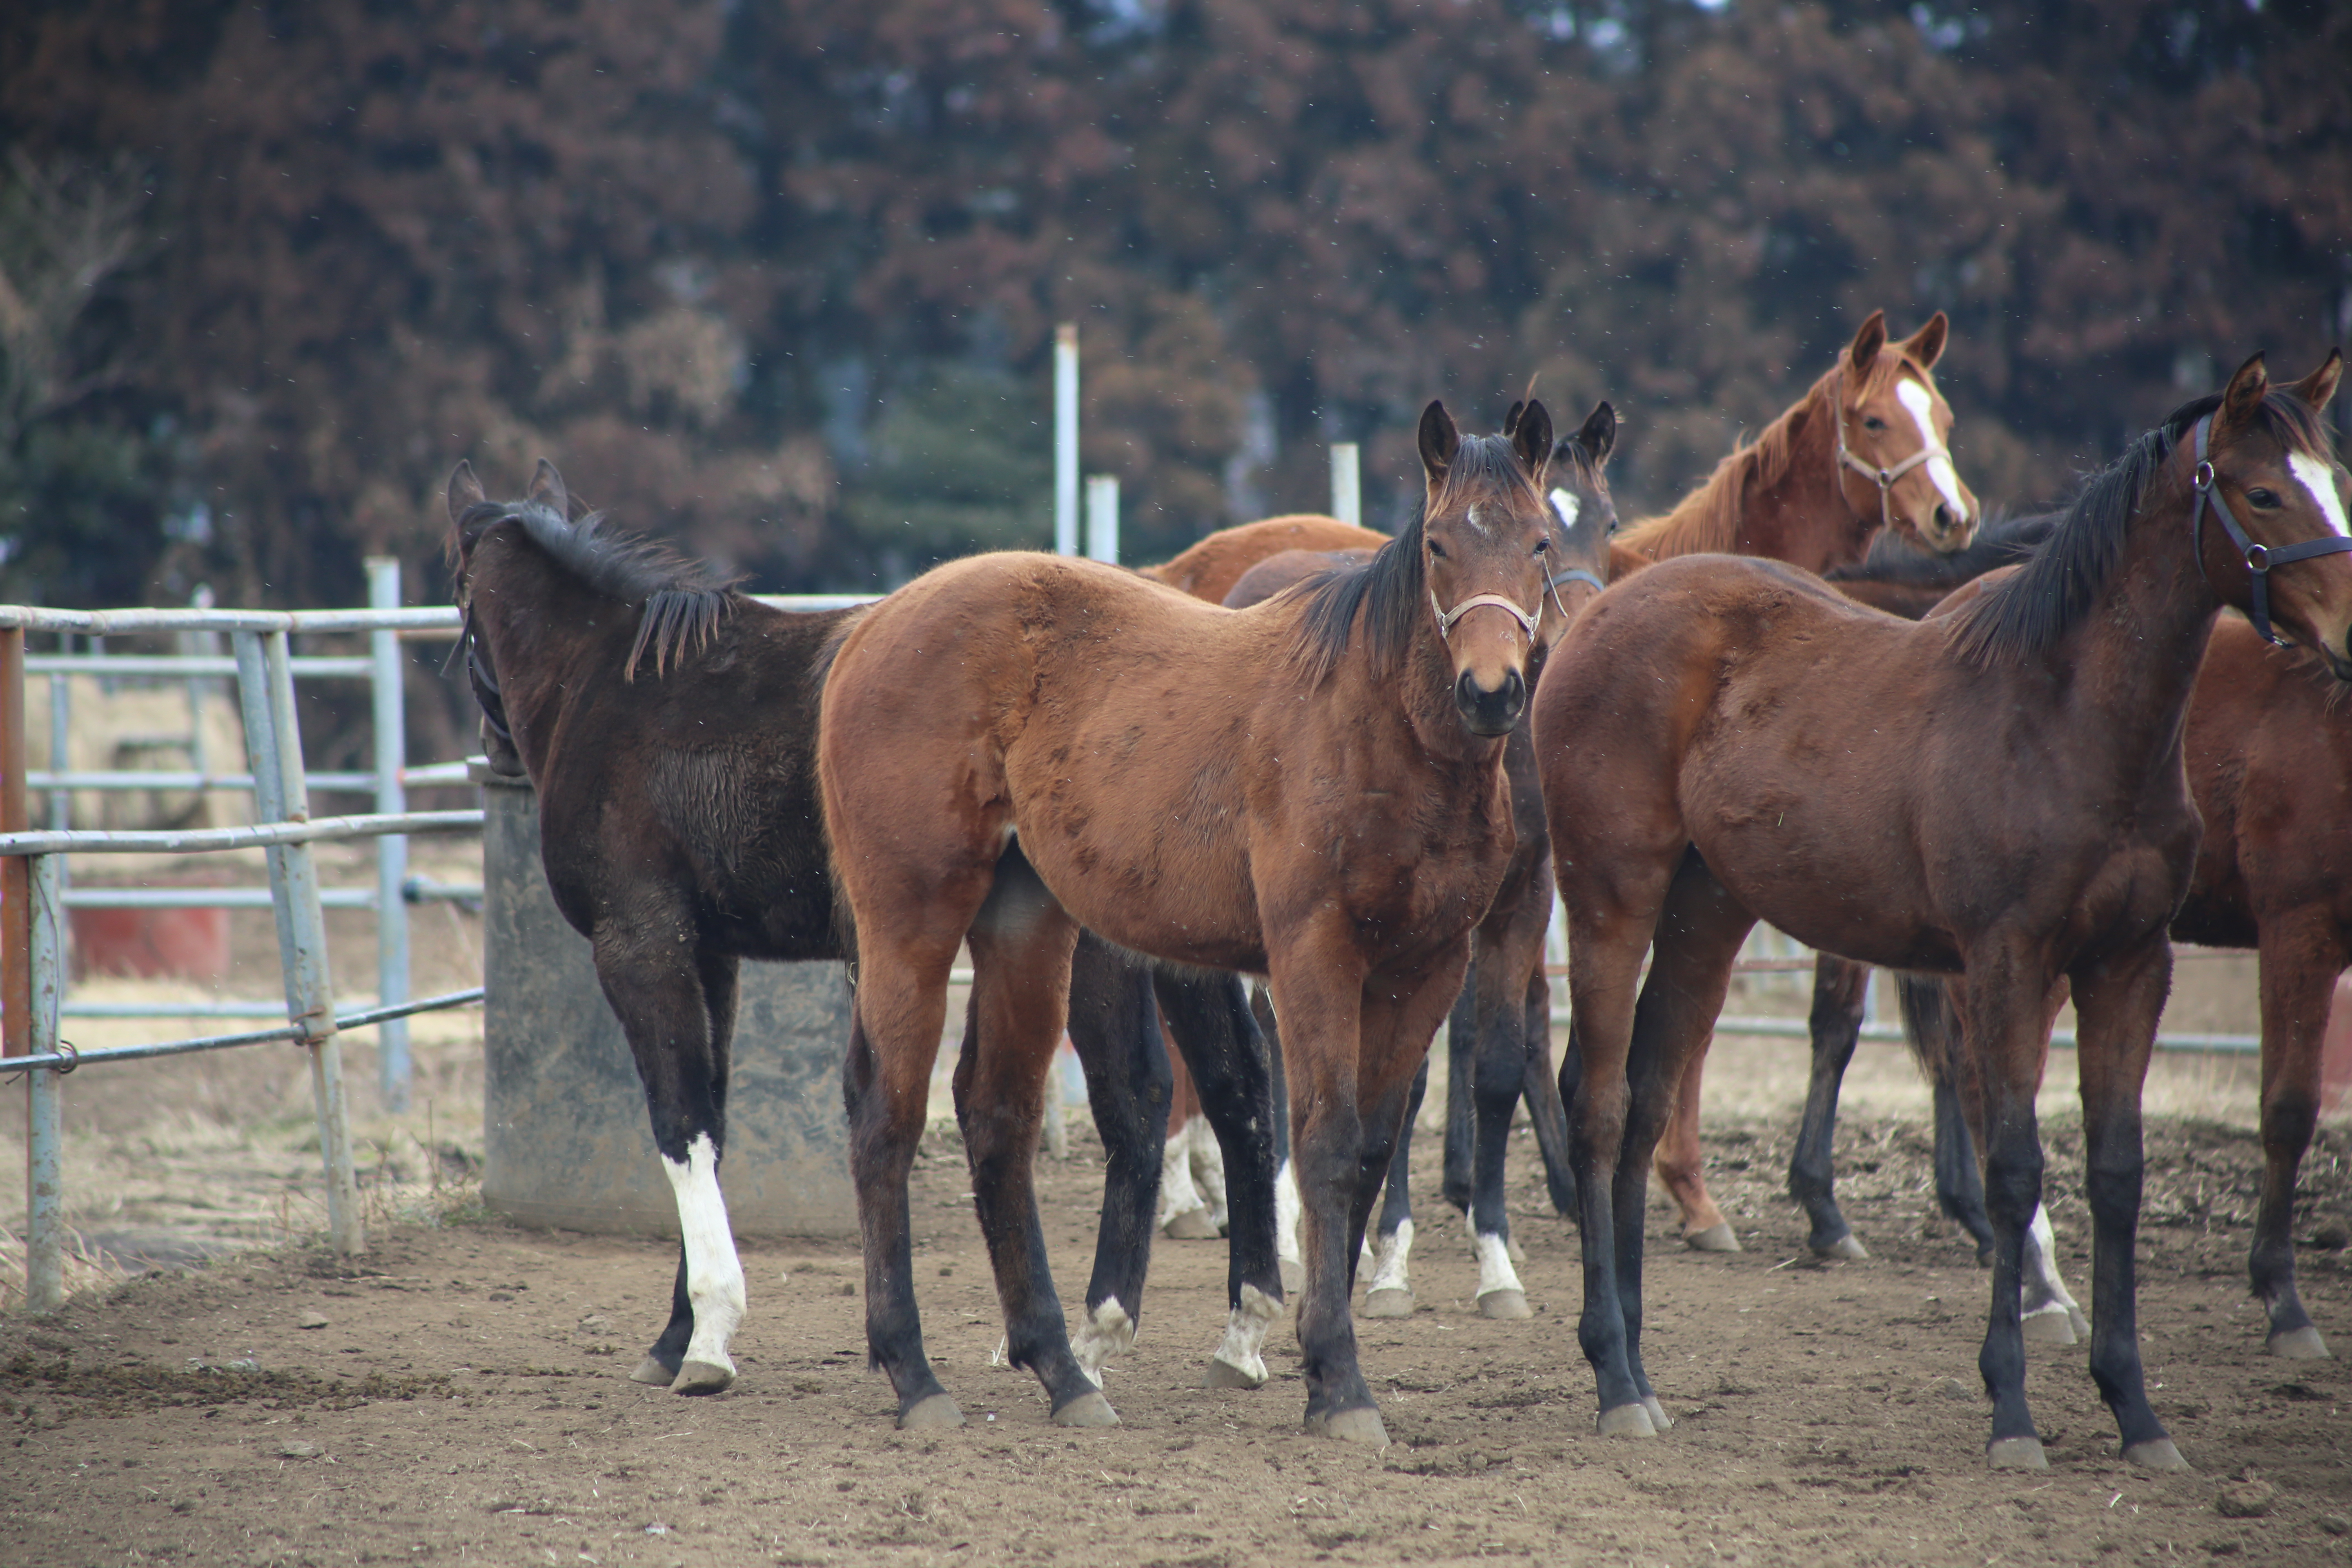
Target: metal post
point(44, 1220)
point(60, 724)
point(1065, 439)
point(1102, 518)
point(15, 885)
point(274, 749)
point(391, 1065)
point(1347, 485)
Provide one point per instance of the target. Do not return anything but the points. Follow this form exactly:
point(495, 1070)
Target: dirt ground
point(223, 1392)
point(461, 1395)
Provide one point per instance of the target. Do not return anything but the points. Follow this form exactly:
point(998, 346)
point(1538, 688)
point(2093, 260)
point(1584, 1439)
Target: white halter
point(1446, 617)
point(1883, 478)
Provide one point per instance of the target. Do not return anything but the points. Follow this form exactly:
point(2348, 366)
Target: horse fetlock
point(1104, 1333)
point(1239, 1361)
point(1499, 1292)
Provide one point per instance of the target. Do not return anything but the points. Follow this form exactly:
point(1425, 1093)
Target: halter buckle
point(2203, 478)
point(2258, 558)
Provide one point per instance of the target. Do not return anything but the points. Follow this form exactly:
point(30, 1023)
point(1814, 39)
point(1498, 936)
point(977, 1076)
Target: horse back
point(1209, 569)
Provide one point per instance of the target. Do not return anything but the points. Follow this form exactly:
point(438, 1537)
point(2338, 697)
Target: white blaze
point(1568, 505)
point(2320, 481)
point(714, 1274)
point(1920, 402)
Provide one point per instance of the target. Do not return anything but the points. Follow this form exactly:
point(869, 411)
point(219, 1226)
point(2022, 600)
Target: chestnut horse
point(1997, 794)
point(1312, 789)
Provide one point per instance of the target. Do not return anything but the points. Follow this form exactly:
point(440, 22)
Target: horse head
point(1587, 515)
point(2267, 467)
point(1486, 542)
point(1891, 434)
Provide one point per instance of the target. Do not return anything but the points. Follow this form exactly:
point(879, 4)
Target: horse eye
point(1873, 421)
point(1542, 545)
point(1436, 551)
point(2261, 497)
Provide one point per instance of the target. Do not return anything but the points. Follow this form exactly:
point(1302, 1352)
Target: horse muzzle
point(1491, 713)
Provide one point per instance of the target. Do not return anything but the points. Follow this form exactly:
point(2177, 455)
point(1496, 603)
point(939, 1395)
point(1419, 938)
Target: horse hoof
point(1626, 1421)
point(930, 1412)
point(2299, 1344)
point(702, 1377)
point(2079, 1323)
point(2017, 1454)
point(1086, 1410)
point(2156, 1454)
point(1294, 1276)
point(1192, 1225)
point(1389, 1302)
point(1225, 1374)
point(1717, 1237)
point(1510, 1306)
point(652, 1373)
point(1657, 1413)
point(1846, 1248)
point(2048, 1327)
point(1518, 1254)
point(1361, 1425)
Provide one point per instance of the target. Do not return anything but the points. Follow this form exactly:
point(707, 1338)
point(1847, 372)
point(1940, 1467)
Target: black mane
point(1392, 589)
point(682, 601)
point(2002, 539)
point(2030, 613)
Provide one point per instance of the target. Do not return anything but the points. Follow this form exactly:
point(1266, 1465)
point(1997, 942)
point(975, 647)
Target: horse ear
point(1511, 420)
point(1439, 441)
point(1925, 346)
point(2244, 394)
point(547, 489)
point(1597, 434)
point(1867, 342)
point(2318, 388)
point(464, 490)
point(1532, 439)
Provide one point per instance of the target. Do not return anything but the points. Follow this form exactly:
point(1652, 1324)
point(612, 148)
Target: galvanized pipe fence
point(34, 895)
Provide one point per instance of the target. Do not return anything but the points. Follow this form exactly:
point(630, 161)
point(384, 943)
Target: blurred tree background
point(780, 276)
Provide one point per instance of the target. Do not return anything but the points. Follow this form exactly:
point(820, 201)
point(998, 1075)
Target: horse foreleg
point(1288, 1208)
point(1389, 1294)
point(1458, 1184)
point(1209, 1015)
point(2118, 1002)
point(1021, 951)
point(1541, 1090)
point(677, 1008)
point(1840, 989)
point(1115, 1030)
point(2002, 1038)
point(1500, 1064)
point(1681, 1164)
point(2300, 960)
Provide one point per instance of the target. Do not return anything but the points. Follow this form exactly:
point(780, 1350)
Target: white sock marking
point(1177, 1194)
point(2320, 481)
point(1102, 1334)
point(1288, 1209)
point(2042, 1290)
point(1568, 505)
point(714, 1274)
point(1920, 402)
point(1494, 1270)
point(1391, 1260)
point(1245, 1333)
point(1209, 1169)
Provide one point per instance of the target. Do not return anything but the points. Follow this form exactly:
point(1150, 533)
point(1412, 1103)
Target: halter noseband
point(1446, 617)
point(1883, 478)
point(2259, 558)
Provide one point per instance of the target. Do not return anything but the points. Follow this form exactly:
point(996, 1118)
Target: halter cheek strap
point(1446, 617)
point(2260, 558)
point(1883, 478)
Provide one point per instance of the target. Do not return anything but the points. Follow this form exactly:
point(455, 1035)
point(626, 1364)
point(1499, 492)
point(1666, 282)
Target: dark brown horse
point(1312, 789)
point(669, 724)
point(1998, 795)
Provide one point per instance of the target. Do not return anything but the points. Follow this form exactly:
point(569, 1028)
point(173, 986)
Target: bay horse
point(668, 723)
point(1312, 789)
point(1998, 795)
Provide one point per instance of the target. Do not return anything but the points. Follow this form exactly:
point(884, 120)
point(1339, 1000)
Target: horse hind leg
point(1681, 1164)
point(1542, 1092)
point(2047, 1309)
point(1500, 1068)
point(677, 1008)
point(1840, 989)
point(1021, 949)
point(1115, 1030)
point(1932, 1029)
point(2299, 966)
point(1389, 1247)
point(1288, 1207)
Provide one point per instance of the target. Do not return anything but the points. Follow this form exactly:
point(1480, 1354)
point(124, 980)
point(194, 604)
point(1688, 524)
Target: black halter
point(2260, 558)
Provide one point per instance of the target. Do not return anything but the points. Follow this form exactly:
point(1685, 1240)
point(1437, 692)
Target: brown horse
point(1312, 790)
point(1864, 450)
point(1998, 795)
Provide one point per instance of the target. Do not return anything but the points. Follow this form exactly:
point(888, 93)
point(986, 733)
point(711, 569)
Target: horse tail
point(1931, 1027)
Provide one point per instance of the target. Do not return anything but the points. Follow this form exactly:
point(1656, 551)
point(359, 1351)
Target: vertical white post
point(1102, 518)
point(44, 1199)
point(392, 850)
point(1065, 439)
point(1346, 487)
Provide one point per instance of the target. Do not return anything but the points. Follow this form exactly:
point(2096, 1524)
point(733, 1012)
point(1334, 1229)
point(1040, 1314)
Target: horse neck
point(1802, 515)
point(2142, 638)
point(541, 625)
point(1418, 695)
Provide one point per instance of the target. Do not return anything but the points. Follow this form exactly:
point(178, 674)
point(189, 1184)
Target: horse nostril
point(1491, 712)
